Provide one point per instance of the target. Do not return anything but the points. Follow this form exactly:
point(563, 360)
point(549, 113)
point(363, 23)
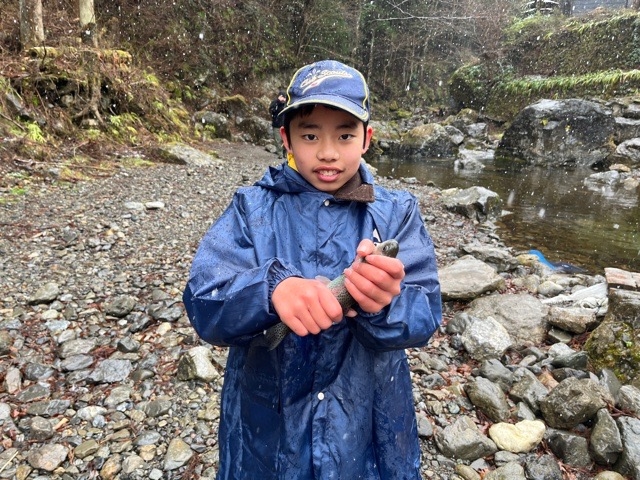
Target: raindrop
point(541, 212)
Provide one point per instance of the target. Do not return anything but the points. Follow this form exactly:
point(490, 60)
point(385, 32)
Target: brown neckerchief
point(355, 190)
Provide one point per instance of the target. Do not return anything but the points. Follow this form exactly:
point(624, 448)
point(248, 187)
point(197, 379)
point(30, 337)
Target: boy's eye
point(309, 136)
point(346, 136)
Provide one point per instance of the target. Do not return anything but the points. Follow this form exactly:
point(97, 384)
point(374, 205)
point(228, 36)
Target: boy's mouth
point(327, 174)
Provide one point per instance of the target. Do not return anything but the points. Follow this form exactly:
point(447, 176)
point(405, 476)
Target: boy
point(334, 399)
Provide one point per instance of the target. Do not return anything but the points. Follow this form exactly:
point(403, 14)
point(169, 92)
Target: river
point(548, 209)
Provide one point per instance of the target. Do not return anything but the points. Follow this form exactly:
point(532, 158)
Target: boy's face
point(327, 146)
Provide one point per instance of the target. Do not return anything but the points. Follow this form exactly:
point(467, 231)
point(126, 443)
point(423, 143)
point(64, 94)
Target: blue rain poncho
point(337, 405)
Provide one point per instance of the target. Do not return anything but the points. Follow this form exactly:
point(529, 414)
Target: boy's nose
point(327, 151)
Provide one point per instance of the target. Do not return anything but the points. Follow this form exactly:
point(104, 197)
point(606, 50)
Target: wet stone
point(111, 371)
point(155, 408)
point(37, 371)
point(47, 457)
point(86, 448)
point(120, 306)
point(47, 293)
point(50, 408)
point(39, 391)
point(76, 347)
point(76, 362)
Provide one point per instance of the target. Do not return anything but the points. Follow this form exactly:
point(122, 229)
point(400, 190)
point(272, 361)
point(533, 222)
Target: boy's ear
point(285, 140)
point(367, 138)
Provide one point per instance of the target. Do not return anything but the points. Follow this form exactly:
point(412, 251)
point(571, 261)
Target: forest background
point(406, 49)
point(96, 74)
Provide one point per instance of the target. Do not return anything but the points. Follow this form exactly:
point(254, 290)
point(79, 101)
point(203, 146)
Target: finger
point(365, 247)
point(364, 292)
point(365, 303)
point(310, 322)
point(296, 326)
point(391, 266)
point(369, 279)
point(319, 317)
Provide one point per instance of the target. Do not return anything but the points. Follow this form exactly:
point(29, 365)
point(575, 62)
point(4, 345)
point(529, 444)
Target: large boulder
point(571, 132)
point(430, 140)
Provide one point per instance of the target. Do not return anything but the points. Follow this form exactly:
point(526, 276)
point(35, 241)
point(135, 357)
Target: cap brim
point(332, 101)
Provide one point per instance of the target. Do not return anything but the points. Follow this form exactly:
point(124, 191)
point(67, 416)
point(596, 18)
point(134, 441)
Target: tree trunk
point(88, 31)
point(31, 26)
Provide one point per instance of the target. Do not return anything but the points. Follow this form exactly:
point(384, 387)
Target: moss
point(554, 57)
point(507, 98)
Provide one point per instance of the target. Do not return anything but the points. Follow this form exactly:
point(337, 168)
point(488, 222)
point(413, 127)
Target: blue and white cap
point(330, 83)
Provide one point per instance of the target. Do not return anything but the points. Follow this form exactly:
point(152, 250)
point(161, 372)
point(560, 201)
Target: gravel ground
point(98, 241)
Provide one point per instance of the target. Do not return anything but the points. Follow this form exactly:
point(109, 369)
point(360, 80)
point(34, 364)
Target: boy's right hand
point(305, 306)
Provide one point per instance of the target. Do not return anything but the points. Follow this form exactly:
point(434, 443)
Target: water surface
point(550, 209)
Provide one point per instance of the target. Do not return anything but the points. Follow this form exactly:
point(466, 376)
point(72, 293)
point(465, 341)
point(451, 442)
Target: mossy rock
point(615, 343)
point(234, 105)
point(470, 85)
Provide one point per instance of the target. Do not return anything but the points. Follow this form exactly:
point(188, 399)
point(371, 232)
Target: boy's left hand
point(373, 283)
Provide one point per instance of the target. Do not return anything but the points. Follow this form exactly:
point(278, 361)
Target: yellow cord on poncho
point(291, 161)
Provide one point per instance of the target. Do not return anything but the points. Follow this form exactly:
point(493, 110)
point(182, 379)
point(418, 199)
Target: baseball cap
point(330, 83)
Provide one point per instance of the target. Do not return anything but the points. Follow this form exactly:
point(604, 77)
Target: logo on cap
point(316, 78)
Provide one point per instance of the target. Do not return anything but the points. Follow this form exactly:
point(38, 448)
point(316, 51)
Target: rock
point(529, 390)
point(468, 278)
point(522, 437)
point(477, 203)
point(543, 467)
point(629, 399)
point(572, 449)
point(47, 293)
point(572, 319)
point(196, 364)
point(48, 457)
point(572, 402)
point(523, 315)
point(630, 149)
point(111, 467)
point(86, 448)
point(569, 132)
point(613, 344)
point(485, 338)
point(217, 121)
point(629, 460)
point(510, 471)
point(488, 397)
point(111, 371)
point(605, 442)
point(6, 342)
point(463, 441)
point(178, 454)
point(120, 306)
point(428, 140)
point(498, 258)
point(185, 155)
point(608, 476)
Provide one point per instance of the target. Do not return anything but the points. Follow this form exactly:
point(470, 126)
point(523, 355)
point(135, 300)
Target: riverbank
point(93, 330)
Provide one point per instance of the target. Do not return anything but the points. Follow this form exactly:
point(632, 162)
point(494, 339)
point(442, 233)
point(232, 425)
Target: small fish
point(274, 335)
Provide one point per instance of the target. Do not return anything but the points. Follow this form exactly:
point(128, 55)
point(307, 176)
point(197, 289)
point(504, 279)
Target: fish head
point(388, 248)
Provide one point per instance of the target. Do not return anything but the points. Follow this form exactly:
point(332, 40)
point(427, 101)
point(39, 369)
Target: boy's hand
point(305, 306)
point(373, 283)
